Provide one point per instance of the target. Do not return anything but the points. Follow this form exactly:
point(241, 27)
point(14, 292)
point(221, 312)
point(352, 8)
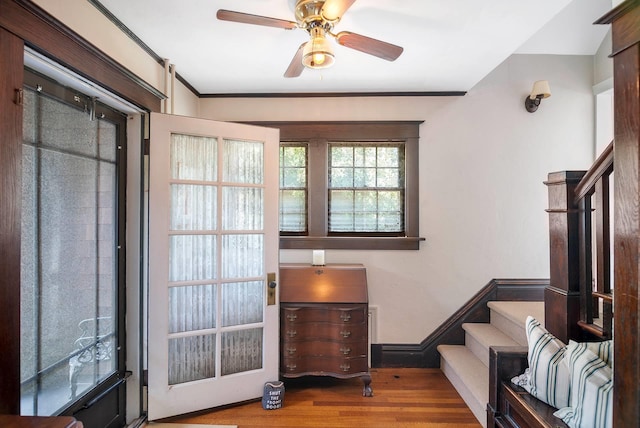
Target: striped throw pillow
point(549, 377)
point(591, 389)
point(604, 350)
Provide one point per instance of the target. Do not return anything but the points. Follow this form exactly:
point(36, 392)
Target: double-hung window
point(366, 189)
point(293, 189)
point(348, 185)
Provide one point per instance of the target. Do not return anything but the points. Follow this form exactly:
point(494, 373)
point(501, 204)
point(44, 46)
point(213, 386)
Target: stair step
point(469, 376)
point(479, 337)
point(510, 317)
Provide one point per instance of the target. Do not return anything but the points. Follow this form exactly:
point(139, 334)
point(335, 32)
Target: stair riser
point(478, 409)
point(477, 348)
point(508, 327)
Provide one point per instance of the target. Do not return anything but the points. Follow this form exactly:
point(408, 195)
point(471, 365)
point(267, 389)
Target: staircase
point(467, 366)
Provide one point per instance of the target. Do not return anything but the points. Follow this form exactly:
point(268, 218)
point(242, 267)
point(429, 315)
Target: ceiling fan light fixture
point(318, 52)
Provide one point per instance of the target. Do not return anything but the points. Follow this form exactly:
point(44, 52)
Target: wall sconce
point(539, 91)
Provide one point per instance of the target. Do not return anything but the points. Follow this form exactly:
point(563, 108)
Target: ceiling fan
point(317, 17)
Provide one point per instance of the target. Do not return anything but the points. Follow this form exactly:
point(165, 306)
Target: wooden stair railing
point(579, 299)
point(593, 196)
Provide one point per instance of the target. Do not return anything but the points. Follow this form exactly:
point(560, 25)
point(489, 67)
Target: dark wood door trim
point(11, 52)
point(47, 35)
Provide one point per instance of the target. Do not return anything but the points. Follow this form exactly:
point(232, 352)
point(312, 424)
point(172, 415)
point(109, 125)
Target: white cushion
point(549, 377)
point(591, 389)
point(604, 350)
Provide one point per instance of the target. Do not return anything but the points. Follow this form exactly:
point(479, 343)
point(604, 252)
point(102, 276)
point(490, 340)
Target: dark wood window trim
point(317, 134)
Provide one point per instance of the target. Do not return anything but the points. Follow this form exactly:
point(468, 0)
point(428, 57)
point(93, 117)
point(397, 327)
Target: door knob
point(271, 288)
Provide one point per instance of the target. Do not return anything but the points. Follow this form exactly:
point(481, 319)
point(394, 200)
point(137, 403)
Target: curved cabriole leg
point(367, 391)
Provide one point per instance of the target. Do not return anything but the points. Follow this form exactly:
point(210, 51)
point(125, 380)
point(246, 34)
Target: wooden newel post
point(625, 23)
point(562, 296)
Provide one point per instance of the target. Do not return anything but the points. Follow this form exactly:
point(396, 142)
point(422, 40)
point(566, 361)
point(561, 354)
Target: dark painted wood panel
point(11, 76)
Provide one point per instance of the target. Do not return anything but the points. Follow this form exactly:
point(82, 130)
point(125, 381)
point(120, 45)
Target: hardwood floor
point(402, 398)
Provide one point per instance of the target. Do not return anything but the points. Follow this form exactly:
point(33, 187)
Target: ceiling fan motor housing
point(309, 15)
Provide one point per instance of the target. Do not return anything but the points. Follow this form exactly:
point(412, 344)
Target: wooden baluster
point(603, 248)
point(585, 264)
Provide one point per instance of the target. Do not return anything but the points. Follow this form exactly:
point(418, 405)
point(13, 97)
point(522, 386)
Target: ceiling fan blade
point(334, 9)
point(247, 18)
point(296, 67)
point(368, 45)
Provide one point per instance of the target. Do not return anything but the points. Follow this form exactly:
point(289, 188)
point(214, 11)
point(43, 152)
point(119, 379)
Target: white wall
point(603, 92)
point(602, 64)
point(483, 160)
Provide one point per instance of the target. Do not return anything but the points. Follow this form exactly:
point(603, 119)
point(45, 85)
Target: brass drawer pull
point(345, 333)
point(292, 317)
point(345, 316)
point(291, 351)
point(292, 367)
point(345, 367)
point(345, 351)
point(292, 333)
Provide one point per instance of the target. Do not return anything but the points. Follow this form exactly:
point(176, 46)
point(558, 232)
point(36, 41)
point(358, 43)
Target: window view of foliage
point(293, 188)
point(366, 188)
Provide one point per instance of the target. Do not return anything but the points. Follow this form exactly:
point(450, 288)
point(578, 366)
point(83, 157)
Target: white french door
point(213, 240)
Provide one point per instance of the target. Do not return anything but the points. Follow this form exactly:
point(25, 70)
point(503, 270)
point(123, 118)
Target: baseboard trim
point(425, 354)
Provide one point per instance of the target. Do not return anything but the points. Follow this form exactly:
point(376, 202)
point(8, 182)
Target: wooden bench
point(509, 405)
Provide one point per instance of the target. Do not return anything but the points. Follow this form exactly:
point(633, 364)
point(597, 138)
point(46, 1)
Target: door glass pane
point(69, 262)
point(69, 277)
point(241, 351)
point(242, 256)
point(243, 162)
point(243, 303)
point(192, 257)
point(243, 208)
point(194, 158)
point(193, 207)
point(192, 308)
point(190, 358)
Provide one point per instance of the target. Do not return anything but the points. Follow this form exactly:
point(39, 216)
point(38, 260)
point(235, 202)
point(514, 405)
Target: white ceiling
point(449, 45)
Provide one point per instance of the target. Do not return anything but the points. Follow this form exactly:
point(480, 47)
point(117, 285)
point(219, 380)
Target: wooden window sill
point(349, 243)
